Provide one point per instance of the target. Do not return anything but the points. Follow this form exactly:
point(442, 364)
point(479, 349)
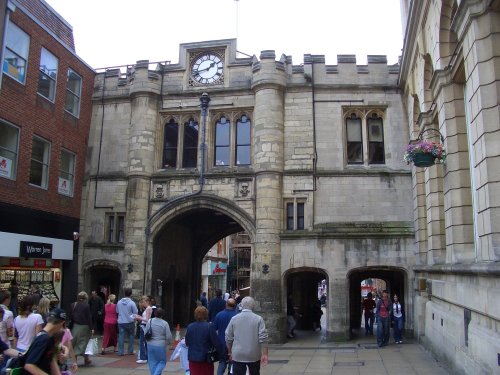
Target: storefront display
point(26, 278)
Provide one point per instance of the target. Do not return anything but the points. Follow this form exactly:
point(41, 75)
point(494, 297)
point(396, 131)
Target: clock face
point(207, 69)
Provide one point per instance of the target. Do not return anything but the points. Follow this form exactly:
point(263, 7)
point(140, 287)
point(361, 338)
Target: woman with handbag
point(158, 342)
point(143, 319)
point(82, 330)
point(201, 338)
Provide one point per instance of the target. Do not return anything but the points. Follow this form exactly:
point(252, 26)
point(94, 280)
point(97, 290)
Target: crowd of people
point(42, 338)
point(386, 314)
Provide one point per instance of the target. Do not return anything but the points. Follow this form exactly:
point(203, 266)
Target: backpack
point(20, 361)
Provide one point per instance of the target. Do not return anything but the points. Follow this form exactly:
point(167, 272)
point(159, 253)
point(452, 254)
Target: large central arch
point(181, 234)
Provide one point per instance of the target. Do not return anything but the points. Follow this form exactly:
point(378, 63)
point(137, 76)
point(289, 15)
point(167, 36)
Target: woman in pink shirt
point(110, 323)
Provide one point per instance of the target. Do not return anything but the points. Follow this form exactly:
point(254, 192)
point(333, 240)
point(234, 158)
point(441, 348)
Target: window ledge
point(104, 247)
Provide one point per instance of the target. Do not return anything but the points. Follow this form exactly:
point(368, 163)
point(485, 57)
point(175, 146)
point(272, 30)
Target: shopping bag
point(92, 347)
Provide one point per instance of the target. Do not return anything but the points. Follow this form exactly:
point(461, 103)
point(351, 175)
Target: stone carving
point(159, 191)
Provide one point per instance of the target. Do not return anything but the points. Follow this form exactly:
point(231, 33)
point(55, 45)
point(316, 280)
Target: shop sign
point(15, 262)
point(39, 263)
point(35, 250)
point(218, 268)
point(5, 167)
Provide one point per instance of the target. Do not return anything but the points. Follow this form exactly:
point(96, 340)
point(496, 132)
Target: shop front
point(34, 262)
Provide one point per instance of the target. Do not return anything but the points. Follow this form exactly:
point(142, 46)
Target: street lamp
point(204, 100)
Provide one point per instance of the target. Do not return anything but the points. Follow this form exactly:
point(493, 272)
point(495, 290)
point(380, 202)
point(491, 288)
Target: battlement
point(164, 77)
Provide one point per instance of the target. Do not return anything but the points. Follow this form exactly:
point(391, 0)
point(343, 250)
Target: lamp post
point(204, 100)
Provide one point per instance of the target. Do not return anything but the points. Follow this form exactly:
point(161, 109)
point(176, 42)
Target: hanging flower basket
point(423, 160)
point(424, 153)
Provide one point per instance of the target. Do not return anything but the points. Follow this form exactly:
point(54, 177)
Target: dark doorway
point(395, 281)
point(104, 279)
point(179, 249)
point(304, 286)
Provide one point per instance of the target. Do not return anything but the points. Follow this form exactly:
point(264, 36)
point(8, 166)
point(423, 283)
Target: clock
point(207, 69)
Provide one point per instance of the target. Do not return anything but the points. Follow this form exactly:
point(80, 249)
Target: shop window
point(180, 146)
point(73, 93)
point(116, 228)
point(364, 138)
point(48, 75)
point(40, 158)
point(232, 145)
point(295, 215)
point(16, 51)
point(66, 173)
point(9, 147)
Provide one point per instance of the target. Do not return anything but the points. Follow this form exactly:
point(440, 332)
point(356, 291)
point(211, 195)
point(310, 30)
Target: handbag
point(148, 335)
point(92, 347)
point(212, 355)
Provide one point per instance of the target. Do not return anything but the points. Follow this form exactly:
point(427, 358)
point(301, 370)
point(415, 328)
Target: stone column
point(143, 92)
point(268, 83)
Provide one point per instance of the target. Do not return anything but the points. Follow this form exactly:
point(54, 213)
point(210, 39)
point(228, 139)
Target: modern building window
point(40, 157)
point(354, 140)
point(66, 173)
point(222, 142)
point(48, 75)
point(364, 137)
point(190, 144)
point(243, 139)
point(295, 215)
point(376, 153)
point(116, 228)
point(16, 51)
point(73, 93)
point(233, 143)
point(9, 148)
point(180, 146)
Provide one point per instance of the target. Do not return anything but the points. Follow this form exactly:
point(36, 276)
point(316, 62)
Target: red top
point(110, 315)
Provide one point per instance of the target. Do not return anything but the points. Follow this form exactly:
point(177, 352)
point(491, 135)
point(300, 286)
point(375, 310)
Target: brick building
point(45, 112)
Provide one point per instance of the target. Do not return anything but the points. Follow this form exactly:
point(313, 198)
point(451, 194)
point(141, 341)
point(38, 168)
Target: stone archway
point(181, 235)
point(102, 273)
point(302, 284)
point(396, 280)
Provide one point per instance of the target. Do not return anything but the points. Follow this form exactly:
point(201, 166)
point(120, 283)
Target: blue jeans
point(143, 346)
point(369, 323)
point(126, 329)
point(157, 359)
point(398, 328)
point(383, 327)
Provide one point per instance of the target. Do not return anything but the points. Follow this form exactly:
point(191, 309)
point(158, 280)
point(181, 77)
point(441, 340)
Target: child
point(64, 350)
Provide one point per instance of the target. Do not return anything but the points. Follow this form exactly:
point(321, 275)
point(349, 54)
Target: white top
point(6, 323)
point(25, 328)
point(396, 310)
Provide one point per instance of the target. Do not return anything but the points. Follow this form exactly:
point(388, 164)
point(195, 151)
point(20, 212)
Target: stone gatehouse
point(306, 158)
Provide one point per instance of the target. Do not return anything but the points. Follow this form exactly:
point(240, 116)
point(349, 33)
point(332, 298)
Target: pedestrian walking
point(220, 324)
point(216, 305)
point(200, 337)
point(96, 305)
point(127, 310)
point(26, 325)
point(247, 340)
point(368, 306)
point(290, 316)
point(384, 310)
point(157, 346)
point(110, 336)
point(204, 300)
point(82, 329)
point(398, 317)
point(14, 292)
point(142, 320)
point(7, 322)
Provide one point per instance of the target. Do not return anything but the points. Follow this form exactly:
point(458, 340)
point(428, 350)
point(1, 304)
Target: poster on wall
point(64, 186)
point(5, 167)
point(218, 268)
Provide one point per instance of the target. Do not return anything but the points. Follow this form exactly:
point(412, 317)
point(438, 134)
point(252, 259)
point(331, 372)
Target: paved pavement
point(307, 354)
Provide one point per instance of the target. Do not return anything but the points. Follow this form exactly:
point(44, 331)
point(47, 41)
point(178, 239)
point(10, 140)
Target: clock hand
point(208, 68)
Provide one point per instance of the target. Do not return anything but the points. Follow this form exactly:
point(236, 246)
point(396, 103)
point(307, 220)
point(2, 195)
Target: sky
point(120, 32)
